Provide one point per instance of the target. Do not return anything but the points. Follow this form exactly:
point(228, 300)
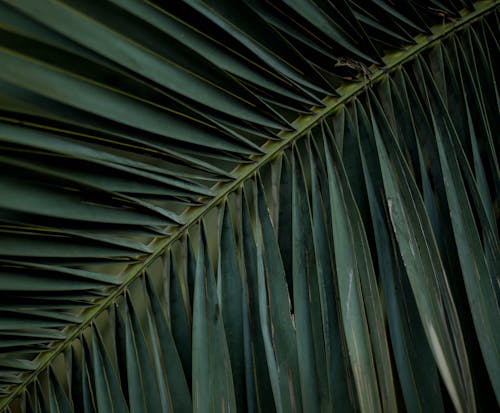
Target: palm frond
point(221, 206)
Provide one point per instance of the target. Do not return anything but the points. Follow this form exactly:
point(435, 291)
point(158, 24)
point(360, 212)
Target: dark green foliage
point(173, 218)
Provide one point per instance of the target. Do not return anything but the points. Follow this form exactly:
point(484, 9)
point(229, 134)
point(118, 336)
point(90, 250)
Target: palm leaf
point(219, 205)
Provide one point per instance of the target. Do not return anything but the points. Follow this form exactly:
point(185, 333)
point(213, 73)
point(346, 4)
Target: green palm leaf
point(249, 206)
